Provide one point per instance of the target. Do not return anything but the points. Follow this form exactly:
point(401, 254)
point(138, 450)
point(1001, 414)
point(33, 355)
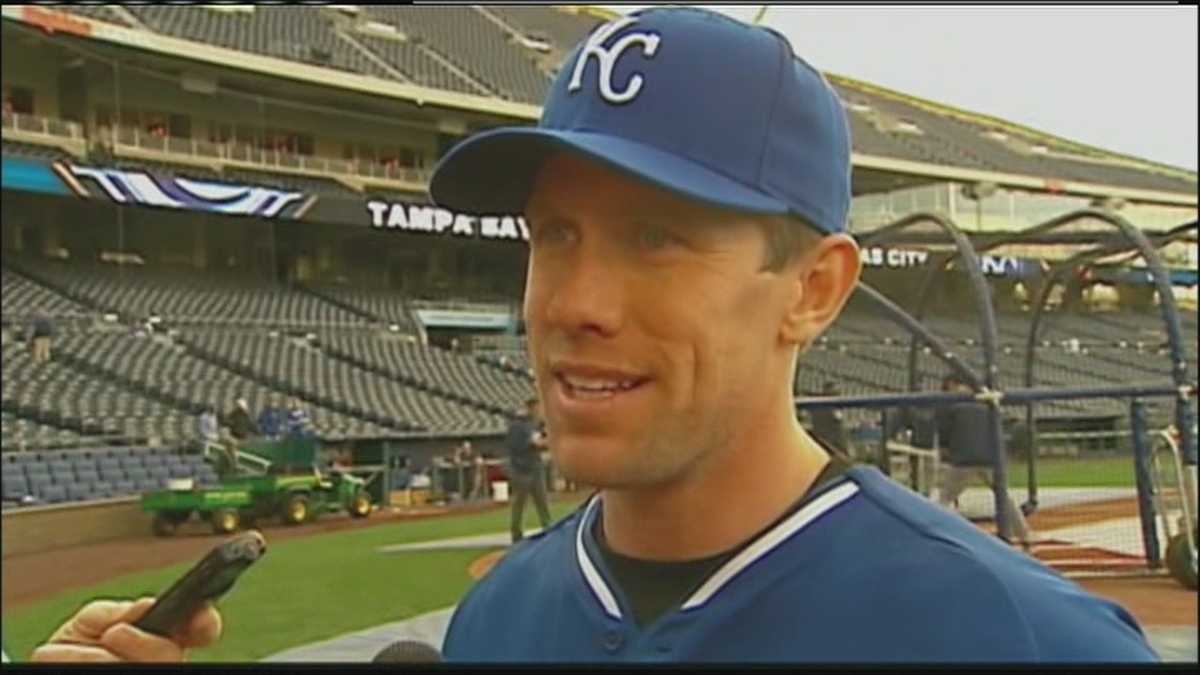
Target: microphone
point(408, 651)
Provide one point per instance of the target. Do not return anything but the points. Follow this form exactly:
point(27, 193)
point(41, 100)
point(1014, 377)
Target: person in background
point(271, 419)
point(238, 419)
point(40, 336)
point(526, 471)
point(208, 428)
point(298, 424)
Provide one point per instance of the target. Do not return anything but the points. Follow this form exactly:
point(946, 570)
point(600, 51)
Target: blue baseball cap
point(689, 100)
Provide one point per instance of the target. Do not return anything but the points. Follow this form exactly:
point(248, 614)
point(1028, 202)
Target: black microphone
point(408, 651)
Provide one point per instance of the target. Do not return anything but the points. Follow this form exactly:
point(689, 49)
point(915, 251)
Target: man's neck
point(723, 504)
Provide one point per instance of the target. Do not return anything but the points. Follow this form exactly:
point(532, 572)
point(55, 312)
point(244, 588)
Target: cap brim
point(493, 172)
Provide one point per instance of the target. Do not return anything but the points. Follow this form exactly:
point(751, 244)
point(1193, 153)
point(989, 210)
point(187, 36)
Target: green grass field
point(304, 590)
point(1075, 472)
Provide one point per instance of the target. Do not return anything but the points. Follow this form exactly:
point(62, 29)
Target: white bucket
point(181, 484)
point(500, 490)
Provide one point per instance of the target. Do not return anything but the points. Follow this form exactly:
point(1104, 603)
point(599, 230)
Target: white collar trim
point(599, 588)
point(769, 541)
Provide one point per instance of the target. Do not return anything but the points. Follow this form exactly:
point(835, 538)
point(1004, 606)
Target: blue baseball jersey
point(864, 571)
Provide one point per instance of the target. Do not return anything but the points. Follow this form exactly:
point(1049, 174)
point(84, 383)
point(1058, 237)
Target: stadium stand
point(97, 12)
point(281, 363)
point(432, 367)
point(466, 38)
point(183, 299)
point(562, 28)
point(58, 394)
point(306, 184)
point(21, 299)
point(384, 306)
point(171, 373)
point(294, 33)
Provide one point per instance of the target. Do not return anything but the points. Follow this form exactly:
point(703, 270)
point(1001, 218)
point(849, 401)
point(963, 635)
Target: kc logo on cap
point(606, 59)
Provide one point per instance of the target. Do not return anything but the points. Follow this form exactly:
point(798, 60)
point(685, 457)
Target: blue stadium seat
point(15, 487)
point(124, 487)
point(128, 463)
point(180, 470)
point(38, 481)
point(118, 452)
point(77, 492)
point(150, 484)
point(111, 463)
point(61, 466)
point(137, 473)
point(102, 489)
point(160, 472)
point(53, 494)
point(83, 464)
point(90, 476)
point(112, 474)
point(154, 460)
point(37, 469)
point(63, 478)
point(23, 458)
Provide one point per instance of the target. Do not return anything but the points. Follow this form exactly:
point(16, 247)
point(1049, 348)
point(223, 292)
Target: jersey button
point(612, 641)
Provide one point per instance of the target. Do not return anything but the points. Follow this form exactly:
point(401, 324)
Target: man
point(271, 419)
point(297, 424)
point(687, 193)
point(40, 335)
point(238, 419)
point(526, 472)
point(828, 425)
point(962, 430)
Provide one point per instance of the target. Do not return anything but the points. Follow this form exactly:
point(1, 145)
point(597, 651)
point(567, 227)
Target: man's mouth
point(594, 383)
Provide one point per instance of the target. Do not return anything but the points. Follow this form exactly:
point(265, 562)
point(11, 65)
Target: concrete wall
point(44, 528)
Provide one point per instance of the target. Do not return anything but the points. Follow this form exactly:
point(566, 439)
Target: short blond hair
point(787, 237)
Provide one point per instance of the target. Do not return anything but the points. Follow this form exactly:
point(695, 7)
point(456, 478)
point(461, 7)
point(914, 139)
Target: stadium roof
point(438, 64)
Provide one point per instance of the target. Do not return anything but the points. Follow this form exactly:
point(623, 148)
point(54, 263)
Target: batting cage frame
point(985, 382)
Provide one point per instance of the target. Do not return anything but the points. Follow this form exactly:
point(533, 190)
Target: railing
point(456, 304)
point(243, 154)
point(43, 126)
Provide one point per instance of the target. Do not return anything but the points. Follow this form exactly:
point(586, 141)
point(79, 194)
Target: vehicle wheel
point(225, 521)
point(360, 506)
point(1180, 562)
point(296, 510)
point(164, 525)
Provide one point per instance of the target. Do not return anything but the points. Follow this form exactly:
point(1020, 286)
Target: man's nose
point(588, 295)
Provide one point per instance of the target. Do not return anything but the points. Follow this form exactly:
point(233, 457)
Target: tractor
point(271, 479)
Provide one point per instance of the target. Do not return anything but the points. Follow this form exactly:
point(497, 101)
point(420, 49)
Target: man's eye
point(655, 238)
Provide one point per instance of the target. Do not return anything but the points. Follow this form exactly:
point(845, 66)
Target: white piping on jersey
point(589, 570)
point(771, 539)
point(749, 555)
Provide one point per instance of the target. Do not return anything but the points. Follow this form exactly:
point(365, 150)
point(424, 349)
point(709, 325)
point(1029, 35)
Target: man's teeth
point(598, 386)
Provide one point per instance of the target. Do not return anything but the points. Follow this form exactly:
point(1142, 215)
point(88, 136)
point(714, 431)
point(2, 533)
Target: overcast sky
point(1120, 78)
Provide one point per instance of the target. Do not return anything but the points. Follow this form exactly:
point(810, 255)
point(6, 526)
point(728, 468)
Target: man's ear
point(822, 280)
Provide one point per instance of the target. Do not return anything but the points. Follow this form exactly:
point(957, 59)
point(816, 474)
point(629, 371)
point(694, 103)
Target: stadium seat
point(153, 460)
point(52, 494)
point(37, 468)
point(77, 492)
point(160, 472)
point(87, 476)
point(131, 462)
point(61, 466)
point(15, 487)
point(124, 487)
point(102, 489)
point(118, 452)
point(137, 473)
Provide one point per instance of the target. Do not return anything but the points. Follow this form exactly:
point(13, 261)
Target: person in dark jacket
point(526, 473)
point(239, 421)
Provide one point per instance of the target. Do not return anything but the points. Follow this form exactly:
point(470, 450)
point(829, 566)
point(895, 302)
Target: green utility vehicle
point(281, 480)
